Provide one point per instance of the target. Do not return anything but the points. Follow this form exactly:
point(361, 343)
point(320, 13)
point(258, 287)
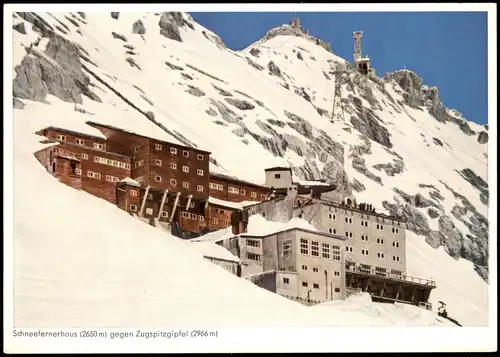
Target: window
point(193, 216)
point(212, 185)
point(157, 162)
point(139, 163)
point(164, 214)
point(185, 184)
point(348, 234)
point(336, 273)
point(199, 157)
point(199, 172)
point(111, 178)
point(98, 146)
point(173, 166)
point(109, 162)
point(173, 182)
point(149, 211)
point(395, 230)
point(314, 249)
point(185, 153)
point(85, 156)
point(365, 238)
point(325, 249)
point(253, 256)
point(332, 231)
point(185, 214)
point(348, 249)
point(93, 174)
point(315, 269)
point(263, 196)
point(61, 137)
point(215, 221)
point(286, 281)
point(277, 176)
point(316, 286)
point(348, 220)
point(395, 244)
point(380, 271)
point(396, 272)
point(337, 290)
point(226, 223)
point(253, 243)
point(158, 147)
point(199, 188)
point(233, 190)
point(380, 255)
point(287, 248)
point(253, 194)
point(395, 258)
point(133, 208)
point(332, 216)
point(336, 252)
point(380, 241)
point(185, 169)
point(304, 246)
point(304, 284)
point(364, 252)
point(133, 193)
point(242, 192)
point(173, 151)
point(80, 142)
point(364, 223)
point(158, 178)
point(201, 218)
point(304, 267)
point(380, 227)
point(365, 268)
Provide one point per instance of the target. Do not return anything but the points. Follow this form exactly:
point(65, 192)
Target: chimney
point(239, 221)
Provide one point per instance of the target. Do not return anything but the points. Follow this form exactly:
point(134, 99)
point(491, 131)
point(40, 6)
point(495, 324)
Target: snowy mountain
point(165, 76)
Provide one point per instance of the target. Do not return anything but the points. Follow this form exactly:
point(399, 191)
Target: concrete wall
point(279, 210)
point(311, 269)
point(279, 178)
point(232, 267)
point(331, 219)
point(287, 284)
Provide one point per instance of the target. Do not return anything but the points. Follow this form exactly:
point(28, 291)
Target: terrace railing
point(356, 268)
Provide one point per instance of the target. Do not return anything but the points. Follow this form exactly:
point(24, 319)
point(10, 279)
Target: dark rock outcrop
point(255, 52)
point(240, 104)
point(138, 28)
point(482, 138)
point(197, 92)
point(20, 28)
point(58, 71)
point(432, 212)
point(274, 69)
point(119, 36)
point(169, 25)
point(359, 165)
point(115, 15)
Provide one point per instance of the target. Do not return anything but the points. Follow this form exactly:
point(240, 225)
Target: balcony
point(363, 270)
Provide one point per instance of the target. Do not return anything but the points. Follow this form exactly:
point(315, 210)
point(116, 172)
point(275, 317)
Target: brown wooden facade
point(233, 190)
point(219, 217)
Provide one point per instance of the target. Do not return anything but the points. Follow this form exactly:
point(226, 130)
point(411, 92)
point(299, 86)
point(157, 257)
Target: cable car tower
point(338, 105)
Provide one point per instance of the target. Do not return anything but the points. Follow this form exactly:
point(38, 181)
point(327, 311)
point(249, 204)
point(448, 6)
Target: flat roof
point(278, 168)
point(146, 137)
point(333, 204)
point(67, 131)
point(324, 234)
point(235, 179)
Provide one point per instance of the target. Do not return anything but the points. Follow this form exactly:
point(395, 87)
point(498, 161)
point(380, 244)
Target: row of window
point(173, 182)
point(234, 190)
point(173, 151)
point(115, 163)
point(316, 270)
point(192, 216)
point(363, 237)
point(379, 270)
point(314, 249)
point(305, 284)
point(80, 142)
point(333, 217)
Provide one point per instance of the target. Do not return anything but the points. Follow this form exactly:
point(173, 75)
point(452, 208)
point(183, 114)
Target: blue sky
point(447, 49)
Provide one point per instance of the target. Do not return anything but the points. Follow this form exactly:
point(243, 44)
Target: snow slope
point(278, 126)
